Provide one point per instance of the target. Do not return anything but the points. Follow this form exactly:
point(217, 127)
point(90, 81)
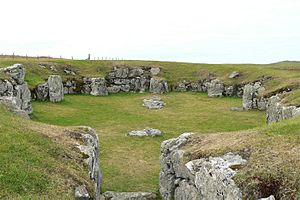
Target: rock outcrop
point(145, 132)
point(109, 195)
point(154, 103)
point(277, 112)
point(56, 88)
point(14, 91)
point(158, 86)
point(91, 149)
point(234, 75)
point(252, 96)
point(204, 178)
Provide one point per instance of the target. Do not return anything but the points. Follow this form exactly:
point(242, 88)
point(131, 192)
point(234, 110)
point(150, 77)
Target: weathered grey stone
point(99, 87)
point(181, 87)
point(215, 88)
point(146, 132)
point(204, 178)
point(136, 72)
point(6, 88)
point(114, 89)
point(196, 87)
point(158, 86)
point(234, 74)
point(274, 109)
point(14, 93)
point(91, 148)
point(69, 72)
point(252, 96)
point(271, 197)
point(70, 87)
point(154, 71)
point(186, 191)
point(56, 88)
point(16, 71)
point(109, 195)
point(167, 175)
point(213, 177)
point(81, 193)
point(154, 103)
point(42, 92)
point(125, 88)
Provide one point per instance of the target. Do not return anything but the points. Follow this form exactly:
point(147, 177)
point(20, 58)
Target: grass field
point(32, 165)
point(131, 163)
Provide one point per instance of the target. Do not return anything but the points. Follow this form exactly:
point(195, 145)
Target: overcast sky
point(211, 31)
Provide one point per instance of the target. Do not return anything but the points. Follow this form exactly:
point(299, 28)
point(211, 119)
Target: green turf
point(31, 164)
point(131, 163)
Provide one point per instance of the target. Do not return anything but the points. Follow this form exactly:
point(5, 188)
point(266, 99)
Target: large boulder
point(215, 88)
point(14, 91)
point(56, 88)
point(99, 87)
point(158, 86)
point(16, 71)
point(252, 96)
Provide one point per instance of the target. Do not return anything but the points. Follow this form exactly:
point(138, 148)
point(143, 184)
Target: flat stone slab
point(146, 132)
point(129, 195)
point(154, 103)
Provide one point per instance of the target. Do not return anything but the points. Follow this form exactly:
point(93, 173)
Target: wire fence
point(27, 57)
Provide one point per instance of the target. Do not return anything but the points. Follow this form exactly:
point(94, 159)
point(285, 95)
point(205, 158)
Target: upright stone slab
point(215, 88)
point(158, 86)
point(98, 87)
point(42, 92)
point(56, 88)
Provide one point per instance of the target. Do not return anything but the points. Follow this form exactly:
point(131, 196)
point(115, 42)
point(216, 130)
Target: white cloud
point(190, 30)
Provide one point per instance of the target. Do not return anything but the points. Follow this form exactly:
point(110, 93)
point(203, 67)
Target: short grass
point(32, 165)
point(131, 163)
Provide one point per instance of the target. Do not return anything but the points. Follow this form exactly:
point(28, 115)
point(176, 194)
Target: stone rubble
point(154, 103)
point(146, 132)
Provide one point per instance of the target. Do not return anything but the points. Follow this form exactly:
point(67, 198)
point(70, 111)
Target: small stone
point(154, 103)
point(234, 75)
point(154, 71)
point(81, 193)
point(109, 195)
point(146, 132)
point(268, 198)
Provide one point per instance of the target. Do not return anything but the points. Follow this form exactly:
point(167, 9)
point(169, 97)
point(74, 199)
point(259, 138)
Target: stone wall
point(14, 91)
point(276, 111)
point(252, 96)
point(204, 178)
point(91, 148)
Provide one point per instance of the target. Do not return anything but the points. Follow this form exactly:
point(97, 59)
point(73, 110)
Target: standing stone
point(158, 86)
point(99, 87)
point(56, 88)
point(252, 96)
point(215, 88)
point(42, 92)
point(274, 109)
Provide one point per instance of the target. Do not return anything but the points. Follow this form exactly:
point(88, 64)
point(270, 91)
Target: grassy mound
point(36, 161)
point(131, 163)
point(273, 166)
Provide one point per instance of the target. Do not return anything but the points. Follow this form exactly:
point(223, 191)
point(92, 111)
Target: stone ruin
point(14, 91)
point(52, 90)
